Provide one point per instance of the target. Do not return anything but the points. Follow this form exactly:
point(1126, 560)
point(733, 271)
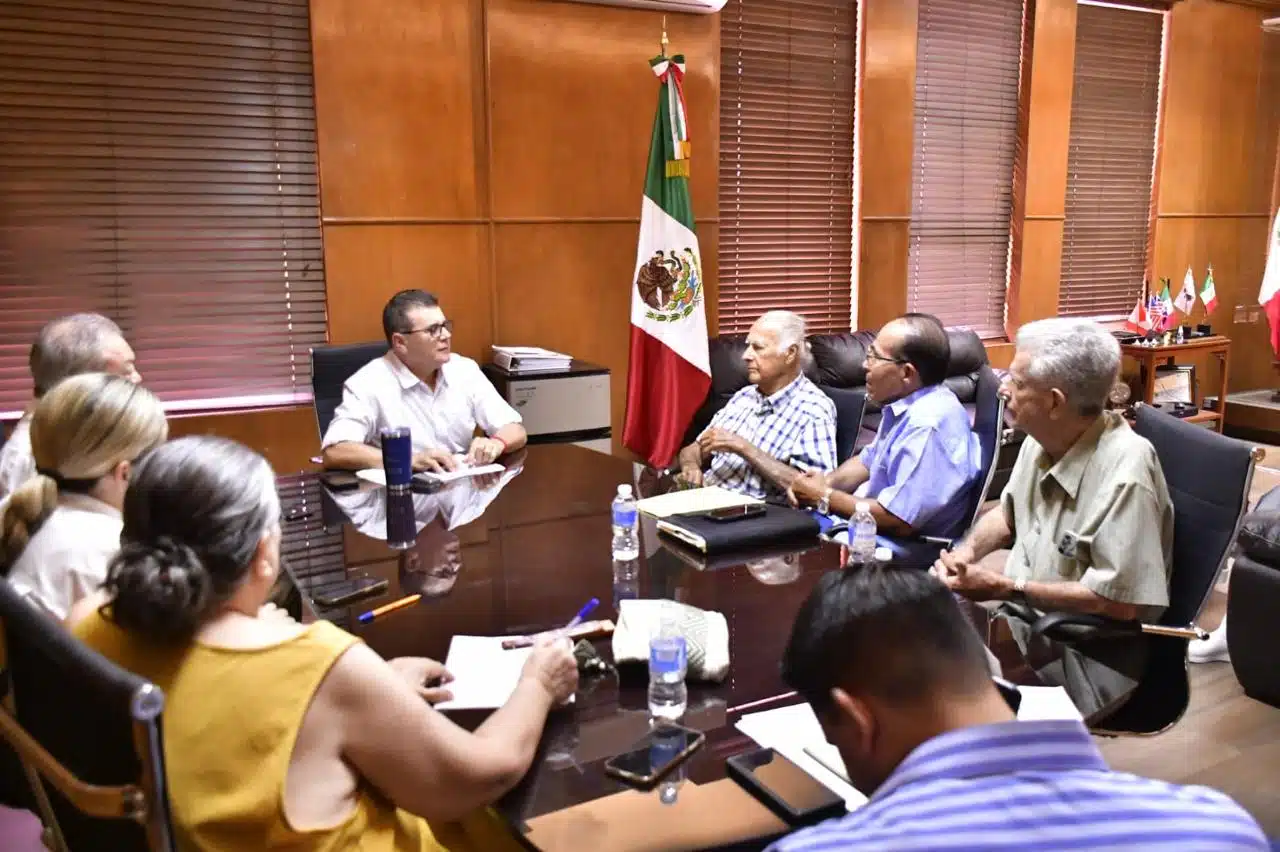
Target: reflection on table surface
point(521, 551)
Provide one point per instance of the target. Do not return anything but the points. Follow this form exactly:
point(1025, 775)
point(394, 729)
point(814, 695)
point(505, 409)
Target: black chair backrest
point(1208, 476)
point(331, 366)
point(850, 405)
point(988, 424)
point(97, 720)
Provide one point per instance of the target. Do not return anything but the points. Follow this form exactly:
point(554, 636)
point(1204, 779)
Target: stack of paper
point(378, 476)
point(484, 673)
point(693, 500)
point(529, 359)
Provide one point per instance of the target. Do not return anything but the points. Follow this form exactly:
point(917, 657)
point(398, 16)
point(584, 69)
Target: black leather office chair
point(1208, 477)
point(850, 406)
point(331, 366)
point(88, 733)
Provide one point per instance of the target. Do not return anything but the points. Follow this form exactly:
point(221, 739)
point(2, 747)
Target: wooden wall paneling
point(567, 286)
point(886, 150)
point(1048, 137)
point(287, 437)
point(573, 101)
point(1215, 59)
point(366, 264)
point(396, 121)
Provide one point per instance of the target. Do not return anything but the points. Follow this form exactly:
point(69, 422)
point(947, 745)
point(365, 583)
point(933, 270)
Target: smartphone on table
point(784, 788)
point(665, 747)
point(735, 513)
point(348, 591)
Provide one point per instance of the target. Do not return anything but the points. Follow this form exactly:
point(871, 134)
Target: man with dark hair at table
point(898, 679)
point(440, 396)
point(925, 456)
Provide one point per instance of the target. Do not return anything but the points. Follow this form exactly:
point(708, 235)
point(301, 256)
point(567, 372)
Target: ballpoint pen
point(559, 632)
point(365, 618)
point(582, 614)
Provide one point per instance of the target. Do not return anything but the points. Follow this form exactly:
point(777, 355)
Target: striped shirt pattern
point(1029, 785)
point(797, 422)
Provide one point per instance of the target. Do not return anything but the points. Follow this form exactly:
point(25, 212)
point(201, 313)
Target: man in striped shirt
point(899, 680)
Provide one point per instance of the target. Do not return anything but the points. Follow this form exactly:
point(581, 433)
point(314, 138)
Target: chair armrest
point(1070, 627)
point(833, 530)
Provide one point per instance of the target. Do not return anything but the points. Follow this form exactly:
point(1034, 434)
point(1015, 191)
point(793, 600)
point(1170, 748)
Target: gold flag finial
point(663, 46)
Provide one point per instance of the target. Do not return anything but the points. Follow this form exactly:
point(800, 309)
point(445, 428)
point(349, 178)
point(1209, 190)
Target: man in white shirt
point(441, 397)
point(65, 347)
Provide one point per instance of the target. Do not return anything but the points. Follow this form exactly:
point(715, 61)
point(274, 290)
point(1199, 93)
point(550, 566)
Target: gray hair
point(194, 514)
point(792, 330)
point(69, 346)
point(1076, 356)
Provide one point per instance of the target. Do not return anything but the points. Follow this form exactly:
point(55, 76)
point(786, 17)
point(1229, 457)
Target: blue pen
point(582, 613)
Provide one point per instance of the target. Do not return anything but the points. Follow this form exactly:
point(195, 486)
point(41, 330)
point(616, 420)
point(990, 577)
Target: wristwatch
point(824, 503)
point(1019, 590)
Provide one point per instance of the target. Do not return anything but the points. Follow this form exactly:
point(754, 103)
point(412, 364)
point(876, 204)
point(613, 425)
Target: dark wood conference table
point(520, 552)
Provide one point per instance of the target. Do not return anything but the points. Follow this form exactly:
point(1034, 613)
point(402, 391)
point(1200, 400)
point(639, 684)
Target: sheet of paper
point(693, 500)
point(378, 476)
point(1046, 702)
point(484, 675)
point(794, 732)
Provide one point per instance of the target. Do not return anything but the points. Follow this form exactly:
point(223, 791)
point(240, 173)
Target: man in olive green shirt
point(1086, 510)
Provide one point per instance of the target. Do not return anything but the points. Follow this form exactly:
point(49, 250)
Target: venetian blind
point(968, 65)
point(786, 161)
point(1114, 106)
point(158, 165)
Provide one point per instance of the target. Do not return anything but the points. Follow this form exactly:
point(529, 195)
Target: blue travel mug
point(397, 458)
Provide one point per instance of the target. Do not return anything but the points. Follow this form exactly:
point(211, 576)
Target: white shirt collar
point(87, 503)
point(406, 377)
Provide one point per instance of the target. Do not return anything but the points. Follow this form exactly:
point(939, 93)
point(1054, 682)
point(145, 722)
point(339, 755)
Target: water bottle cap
point(884, 554)
point(863, 507)
point(624, 490)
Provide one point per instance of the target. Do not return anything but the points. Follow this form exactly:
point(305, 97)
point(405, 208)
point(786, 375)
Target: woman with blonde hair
point(59, 529)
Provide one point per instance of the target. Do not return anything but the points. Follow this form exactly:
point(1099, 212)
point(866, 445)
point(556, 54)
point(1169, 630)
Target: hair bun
point(159, 588)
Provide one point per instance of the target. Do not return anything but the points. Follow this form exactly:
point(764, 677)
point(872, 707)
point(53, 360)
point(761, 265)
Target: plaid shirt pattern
point(797, 422)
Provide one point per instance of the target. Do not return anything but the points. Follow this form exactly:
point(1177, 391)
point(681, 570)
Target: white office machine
point(560, 406)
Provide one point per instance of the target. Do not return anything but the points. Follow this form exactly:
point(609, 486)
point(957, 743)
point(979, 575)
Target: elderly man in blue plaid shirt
point(772, 428)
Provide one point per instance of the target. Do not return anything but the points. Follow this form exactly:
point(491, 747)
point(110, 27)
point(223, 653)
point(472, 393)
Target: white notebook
point(484, 674)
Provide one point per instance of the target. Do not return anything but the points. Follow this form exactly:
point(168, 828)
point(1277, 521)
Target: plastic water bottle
point(626, 541)
point(668, 662)
point(883, 557)
point(862, 536)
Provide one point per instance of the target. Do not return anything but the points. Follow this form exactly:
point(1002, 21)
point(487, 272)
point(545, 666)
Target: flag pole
point(662, 46)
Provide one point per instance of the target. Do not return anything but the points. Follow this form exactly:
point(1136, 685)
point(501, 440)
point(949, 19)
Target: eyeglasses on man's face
point(435, 331)
point(874, 354)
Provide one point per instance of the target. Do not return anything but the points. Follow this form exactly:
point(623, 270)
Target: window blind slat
point(786, 161)
point(158, 165)
point(968, 66)
point(1110, 160)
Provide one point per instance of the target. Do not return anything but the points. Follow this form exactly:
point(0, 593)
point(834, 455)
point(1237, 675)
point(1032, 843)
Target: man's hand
point(426, 676)
point(717, 440)
point(969, 580)
point(690, 475)
point(485, 450)
point(434, 460)
point(807, 489)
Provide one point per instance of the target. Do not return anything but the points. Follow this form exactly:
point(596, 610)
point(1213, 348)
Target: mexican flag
point(1269, 295)
point(1209, 293)
point(670, 371)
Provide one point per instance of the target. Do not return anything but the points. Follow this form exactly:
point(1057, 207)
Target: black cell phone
point(349, 591)
point(735, 513)
point(784, 788)
point(340, 480)
point(664, 748)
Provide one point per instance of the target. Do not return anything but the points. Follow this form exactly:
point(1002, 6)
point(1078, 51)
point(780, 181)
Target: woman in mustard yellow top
point(276, 735)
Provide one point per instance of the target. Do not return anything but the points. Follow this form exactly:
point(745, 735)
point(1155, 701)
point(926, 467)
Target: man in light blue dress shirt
point(925, 457)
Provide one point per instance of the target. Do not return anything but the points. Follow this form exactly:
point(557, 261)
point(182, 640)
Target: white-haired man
point(1086, 510)
point(65, 347)
point(771, 429)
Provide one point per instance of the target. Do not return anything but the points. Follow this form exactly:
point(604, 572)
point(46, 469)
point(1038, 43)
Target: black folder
point(778, 524)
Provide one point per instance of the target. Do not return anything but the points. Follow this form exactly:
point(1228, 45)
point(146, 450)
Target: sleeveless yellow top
point(230, 722)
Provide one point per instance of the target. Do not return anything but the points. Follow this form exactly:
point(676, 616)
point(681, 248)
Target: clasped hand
point(425, 676)
point(807, 488)
point(972, 581)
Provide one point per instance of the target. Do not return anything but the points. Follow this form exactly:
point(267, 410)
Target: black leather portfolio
point(778, 524)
